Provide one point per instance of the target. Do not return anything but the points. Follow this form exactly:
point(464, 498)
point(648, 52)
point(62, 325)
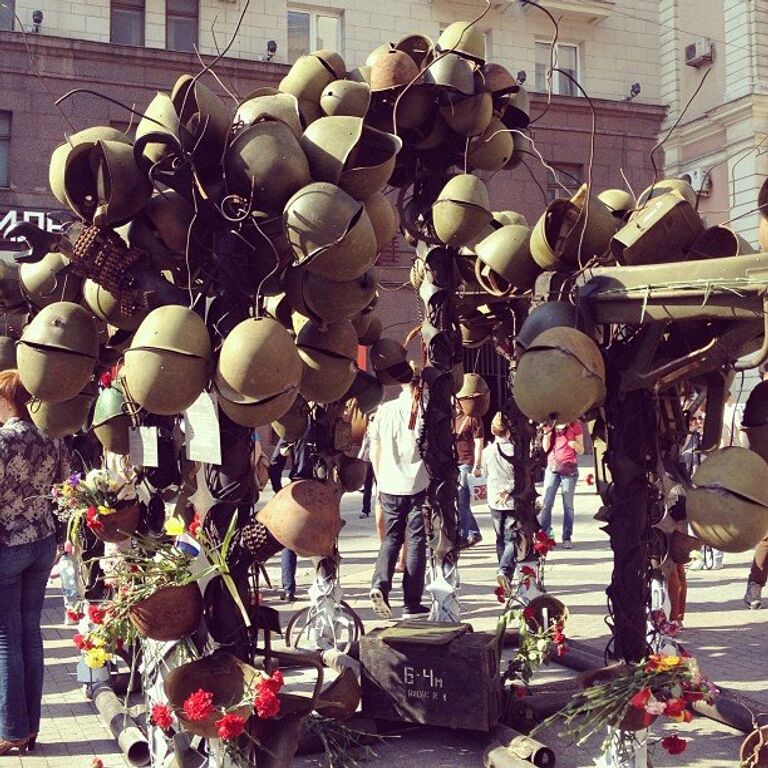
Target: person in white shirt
point(500, 474)
point(401, 479)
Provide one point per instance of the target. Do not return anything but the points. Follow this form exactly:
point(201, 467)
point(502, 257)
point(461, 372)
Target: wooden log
point(525, 747)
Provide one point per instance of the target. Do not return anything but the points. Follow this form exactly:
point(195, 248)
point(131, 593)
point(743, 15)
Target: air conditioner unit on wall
point(699, 52)
point(699, 179)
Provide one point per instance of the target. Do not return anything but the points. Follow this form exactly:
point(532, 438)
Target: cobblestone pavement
point(729, 640)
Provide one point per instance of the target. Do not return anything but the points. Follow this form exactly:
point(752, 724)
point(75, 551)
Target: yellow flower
point(662, 663)
point(105, 510)
point(66, 490)
point(96, 658)
point(174, 526)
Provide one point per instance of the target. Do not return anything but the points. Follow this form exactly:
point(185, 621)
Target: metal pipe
point(525, 747)
point(734, 709)
point(761, 355)
point(130, 738)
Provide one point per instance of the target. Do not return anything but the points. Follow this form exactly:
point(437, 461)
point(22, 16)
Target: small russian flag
point(188, 544)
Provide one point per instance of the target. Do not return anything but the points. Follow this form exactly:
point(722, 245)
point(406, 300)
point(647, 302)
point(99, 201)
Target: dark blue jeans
point(467, 523)
point(24, 572)
point(567, 486)
point(402, 521)
point(504, 523)
point(288, 570)
point(368, 490)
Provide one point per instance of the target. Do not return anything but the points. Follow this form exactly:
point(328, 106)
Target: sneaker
point(503, 581)
point(473, 539)
point(416, 612)
point(363, 515)
point(567, 544)
point(380, 603)
point(287, 595)
point(753, 596)
point(696, 565)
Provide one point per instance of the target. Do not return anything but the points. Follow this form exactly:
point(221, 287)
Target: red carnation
point(674, 744)
point(526, 570)
point(96, 614)
point(74, 615)
point(590, 479)
point(561, 649)
point(97, 762)
point(520, 692)
point(198, 705)
point(161, 716)
point(79, 641)
point(501, 594)
point(194, 526)
point(529, 614)
point(92, 520)
point(640, 699)
point(542, 543)
point(674, 707)
point(105, 379)
point(273, 683)
point(267, 704)
point(230, 726)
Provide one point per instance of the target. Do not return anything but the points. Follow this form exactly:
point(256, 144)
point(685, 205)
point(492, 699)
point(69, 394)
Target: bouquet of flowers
point(90, 499)
point(629, 697)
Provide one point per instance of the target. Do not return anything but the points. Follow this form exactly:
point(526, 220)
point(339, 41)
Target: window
point(570, 175)
point(6, 15)
point(126, 23)
point(567, 59)
point(312, 31)
point(181, 23)
point(5, 148)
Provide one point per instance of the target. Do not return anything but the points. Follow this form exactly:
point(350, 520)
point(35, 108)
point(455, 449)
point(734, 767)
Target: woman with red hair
point(30, 463)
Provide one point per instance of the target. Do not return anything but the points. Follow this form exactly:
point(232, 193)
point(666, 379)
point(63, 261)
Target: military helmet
point(62, 326)
point(463, 38)
point(11, 295)
point(265, 164)
point(389, 362)
point(475, 329)
point(718, 242)
point(619, 201)
point(451, 73)
point(392, 69)
point(367, 391)
point(501, 83)
point(756, 408)
point(43, 282)
point(492, 149)
point(51, 374)
point(419, 47)
point(681, 186)
point(352, 472)
point(328, 356)
point(166, 366)
point(346, 97)
point(304, 517)
point(7, 353)
point(560, 376)
point(61, 419)
point(506, 252)
point(334, 301)
point(330, 232)
point(311, 74)
point(509, 217)
point(384, 219)
point(551, 314)
point(728, 508)
point(106, 307)
point(294, 422)
point(372, 332)
point(258, 360)
point(111, 422)
point(517, 115)
point(474, 396)
point(254, 414)
point(270, 105)
point(461, 210)
point(467, 115)
point(158, 132)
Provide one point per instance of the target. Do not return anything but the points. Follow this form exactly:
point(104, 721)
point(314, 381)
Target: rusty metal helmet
point(551, 314)
point(346, 97)
point(334, 301)
point(463, 38)
point(474, 396)
point(620, 202)
point(392, 69)
point(111, 422)
point(372, 332)
point(461, 210)
point(492, 149)
point(419, 47)
point(506, 253)
point(517, 115)
point(728, 508)
point(43, 283)
point(294, 422)
point(103, 185)
point(330, 232)
point(501, 83)
point(266, 165)
point(389, 360)
point(329, 359)
point(560, 376)
point(352, 472)
point(681, 186)
point(266, 104)
point(307, 78)
point(384, 219)
point(304, 517)
point(106, 307)
point(62, 419)
point(258, 361)
point(60, 155)
point(166, 366)
point(7, 353)
point(451, 73)
point(253, 414)
point(367, 391)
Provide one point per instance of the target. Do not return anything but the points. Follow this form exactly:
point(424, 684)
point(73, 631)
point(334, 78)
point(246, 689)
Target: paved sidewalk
point(728, 639)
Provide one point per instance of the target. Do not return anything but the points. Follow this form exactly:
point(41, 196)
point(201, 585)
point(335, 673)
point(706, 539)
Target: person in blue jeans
point(563, 444)
point(30, 463)
point(468, 437)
